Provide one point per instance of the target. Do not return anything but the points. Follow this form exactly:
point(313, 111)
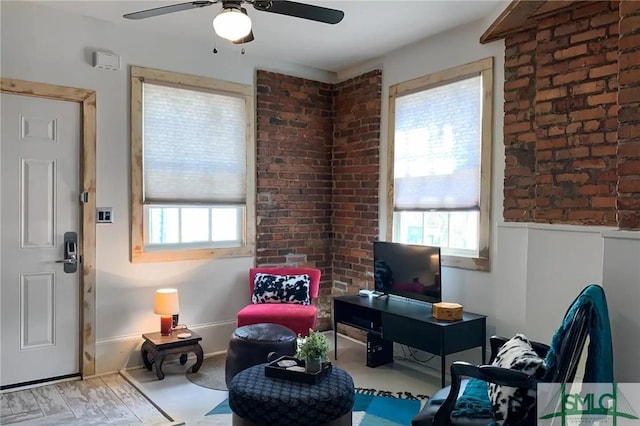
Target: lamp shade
point(166, 302)
point(232, 23)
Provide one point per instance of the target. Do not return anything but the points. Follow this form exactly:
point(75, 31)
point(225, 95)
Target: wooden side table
point(156, 347)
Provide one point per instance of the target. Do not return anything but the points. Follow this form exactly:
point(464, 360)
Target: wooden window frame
point(483, 68)
point(139, 75)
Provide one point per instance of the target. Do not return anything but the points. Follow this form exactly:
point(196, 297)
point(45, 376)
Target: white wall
point(46, 45)
point(622, 286)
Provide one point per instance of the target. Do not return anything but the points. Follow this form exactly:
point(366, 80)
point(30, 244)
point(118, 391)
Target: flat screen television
point(407, 270)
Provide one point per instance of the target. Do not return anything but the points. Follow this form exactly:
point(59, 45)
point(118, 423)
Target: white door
point(39, 193)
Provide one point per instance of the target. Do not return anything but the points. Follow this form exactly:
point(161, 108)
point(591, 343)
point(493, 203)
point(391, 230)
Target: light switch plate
point(104, 215)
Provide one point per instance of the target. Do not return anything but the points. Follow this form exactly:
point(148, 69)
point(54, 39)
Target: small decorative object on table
point(313, 349)
point(445, 311)
point(290, 368)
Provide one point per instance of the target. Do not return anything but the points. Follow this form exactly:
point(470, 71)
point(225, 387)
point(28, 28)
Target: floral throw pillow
point(269, 288)
point(511, 405)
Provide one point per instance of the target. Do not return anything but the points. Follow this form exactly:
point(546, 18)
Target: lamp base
point(165, 325)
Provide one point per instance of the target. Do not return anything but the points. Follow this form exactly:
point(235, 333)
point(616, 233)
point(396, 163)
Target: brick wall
point(356, 176)
point(519, 127)
point(294, 148)
point(561, 118)
point(628, 196)
point(317, 177)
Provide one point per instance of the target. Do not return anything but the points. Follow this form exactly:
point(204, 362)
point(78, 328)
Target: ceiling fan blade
point(300, 10)
point(142, 14)
point(245, 39)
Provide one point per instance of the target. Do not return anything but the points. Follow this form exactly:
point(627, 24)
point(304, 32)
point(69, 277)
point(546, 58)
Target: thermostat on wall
point(106, 60)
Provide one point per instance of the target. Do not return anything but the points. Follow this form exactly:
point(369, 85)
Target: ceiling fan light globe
point(232, 24)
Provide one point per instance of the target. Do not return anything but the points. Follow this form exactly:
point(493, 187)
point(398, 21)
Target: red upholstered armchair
point(297, 317)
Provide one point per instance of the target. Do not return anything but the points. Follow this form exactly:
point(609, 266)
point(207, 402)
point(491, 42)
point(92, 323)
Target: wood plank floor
point(105, 400)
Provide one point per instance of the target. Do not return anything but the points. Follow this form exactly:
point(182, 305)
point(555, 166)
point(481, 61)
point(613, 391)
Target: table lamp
point(166, 306)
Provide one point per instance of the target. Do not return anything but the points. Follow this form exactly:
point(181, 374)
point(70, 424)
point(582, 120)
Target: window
point(192, 163)
point(440, 163)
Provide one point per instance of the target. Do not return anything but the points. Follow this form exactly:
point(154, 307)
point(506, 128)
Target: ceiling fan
point(233, 22)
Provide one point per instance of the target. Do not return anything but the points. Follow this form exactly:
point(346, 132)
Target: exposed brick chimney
point(628, 197)
point(318, 174)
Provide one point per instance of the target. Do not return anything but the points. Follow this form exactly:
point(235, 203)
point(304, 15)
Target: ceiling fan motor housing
point(231, 4)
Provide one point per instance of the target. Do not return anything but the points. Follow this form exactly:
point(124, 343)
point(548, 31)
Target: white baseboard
point(118, 353)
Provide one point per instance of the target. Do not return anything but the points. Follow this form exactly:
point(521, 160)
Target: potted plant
point(313, 349)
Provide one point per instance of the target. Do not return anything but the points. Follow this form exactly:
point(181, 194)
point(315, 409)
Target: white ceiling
point(369, 29)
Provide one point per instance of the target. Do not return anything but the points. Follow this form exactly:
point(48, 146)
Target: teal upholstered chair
point(466, 401)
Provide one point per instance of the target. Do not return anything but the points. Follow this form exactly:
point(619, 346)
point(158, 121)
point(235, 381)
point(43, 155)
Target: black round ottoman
point(257, 400)
point(250, 345)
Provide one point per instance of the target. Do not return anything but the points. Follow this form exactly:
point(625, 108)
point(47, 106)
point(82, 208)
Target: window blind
point(194, 146)
point(437, 146)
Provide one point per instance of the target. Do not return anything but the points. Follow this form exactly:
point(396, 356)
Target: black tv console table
point(410, 323)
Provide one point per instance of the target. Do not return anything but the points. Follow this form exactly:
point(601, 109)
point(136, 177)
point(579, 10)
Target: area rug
point(211, 373)
point(368, 409)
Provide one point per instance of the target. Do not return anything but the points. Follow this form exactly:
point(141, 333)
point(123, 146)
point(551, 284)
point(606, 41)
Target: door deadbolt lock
point(70, 245)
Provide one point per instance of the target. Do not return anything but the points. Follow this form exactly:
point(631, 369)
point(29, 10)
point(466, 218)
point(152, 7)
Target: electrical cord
point(411, 356)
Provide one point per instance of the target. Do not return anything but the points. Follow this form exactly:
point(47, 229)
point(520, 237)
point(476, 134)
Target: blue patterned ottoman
point(266, 401)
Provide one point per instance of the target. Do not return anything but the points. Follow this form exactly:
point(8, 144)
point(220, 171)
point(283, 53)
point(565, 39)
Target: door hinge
point(84, 197)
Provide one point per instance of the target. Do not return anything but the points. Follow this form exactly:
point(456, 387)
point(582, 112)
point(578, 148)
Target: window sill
point(471, 263)
point(139, 256)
